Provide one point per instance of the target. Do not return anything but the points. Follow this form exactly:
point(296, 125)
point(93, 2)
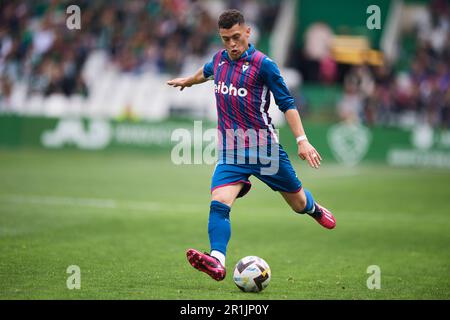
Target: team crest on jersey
point(244, 67)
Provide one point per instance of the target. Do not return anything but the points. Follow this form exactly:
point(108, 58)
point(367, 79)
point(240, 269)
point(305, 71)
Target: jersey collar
point(246, 54)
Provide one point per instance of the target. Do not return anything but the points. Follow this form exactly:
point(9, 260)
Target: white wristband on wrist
point(301, 138)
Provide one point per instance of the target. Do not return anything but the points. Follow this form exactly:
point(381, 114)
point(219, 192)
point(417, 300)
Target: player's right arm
point(197, 78)
point(203, 74)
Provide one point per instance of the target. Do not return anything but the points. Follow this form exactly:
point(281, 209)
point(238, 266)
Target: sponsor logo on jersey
point(230, 90)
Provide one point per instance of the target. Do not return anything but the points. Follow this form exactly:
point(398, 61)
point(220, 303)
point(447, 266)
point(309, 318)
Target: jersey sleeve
point(208, 70)
point(275, 82)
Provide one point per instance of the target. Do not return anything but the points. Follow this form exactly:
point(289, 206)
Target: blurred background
point(87, 178)
point(344, 62)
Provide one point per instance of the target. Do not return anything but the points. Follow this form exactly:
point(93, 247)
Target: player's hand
point(307, 152)
point(179, 82)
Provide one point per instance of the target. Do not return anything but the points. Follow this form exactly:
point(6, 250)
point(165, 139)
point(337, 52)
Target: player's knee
point(222, 199)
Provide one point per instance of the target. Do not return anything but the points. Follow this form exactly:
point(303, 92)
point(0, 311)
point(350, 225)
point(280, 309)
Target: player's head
point(234, 33)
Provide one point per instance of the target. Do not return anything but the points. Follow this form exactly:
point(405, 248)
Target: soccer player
point(243, 77)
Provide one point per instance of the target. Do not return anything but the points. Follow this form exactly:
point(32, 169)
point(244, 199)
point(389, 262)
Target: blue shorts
point(274, 170)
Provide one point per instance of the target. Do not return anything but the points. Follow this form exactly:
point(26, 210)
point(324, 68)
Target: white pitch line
point(99, 203)
point(65, 201)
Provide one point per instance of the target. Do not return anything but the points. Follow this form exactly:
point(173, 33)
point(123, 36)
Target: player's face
point(235, 40)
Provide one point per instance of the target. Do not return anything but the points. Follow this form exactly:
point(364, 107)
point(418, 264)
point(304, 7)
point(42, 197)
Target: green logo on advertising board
point(349, 142)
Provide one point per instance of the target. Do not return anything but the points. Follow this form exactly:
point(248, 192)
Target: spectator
point(139, 36)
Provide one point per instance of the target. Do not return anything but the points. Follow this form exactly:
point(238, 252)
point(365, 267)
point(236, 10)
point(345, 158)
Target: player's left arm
point(275, 82)
point(305, 149)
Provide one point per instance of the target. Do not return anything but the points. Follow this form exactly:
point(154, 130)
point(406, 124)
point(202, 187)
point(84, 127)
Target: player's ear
point(248, 31)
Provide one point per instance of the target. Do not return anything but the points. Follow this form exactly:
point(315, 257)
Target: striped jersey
point(242, 88)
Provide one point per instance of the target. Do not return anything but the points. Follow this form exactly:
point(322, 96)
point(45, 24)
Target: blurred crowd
point(139, 35)
point(160, 36)
point(418, 94)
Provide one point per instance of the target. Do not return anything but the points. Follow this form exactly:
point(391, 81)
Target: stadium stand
point(116, 65)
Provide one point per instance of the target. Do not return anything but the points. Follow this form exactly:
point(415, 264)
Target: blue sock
point(309, 202)
point(219, 228)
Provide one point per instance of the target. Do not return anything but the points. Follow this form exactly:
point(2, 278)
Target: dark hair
point(229, 18)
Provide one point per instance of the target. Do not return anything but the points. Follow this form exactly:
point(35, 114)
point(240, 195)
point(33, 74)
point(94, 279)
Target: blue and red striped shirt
point(242, 89)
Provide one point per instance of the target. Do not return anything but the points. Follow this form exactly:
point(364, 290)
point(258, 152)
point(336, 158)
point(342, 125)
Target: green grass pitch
point(127, 219)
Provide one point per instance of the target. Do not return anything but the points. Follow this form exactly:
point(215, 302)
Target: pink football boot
point(324, 217)
point(206, 263)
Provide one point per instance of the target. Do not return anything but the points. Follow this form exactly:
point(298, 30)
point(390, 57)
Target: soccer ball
point(251, 274)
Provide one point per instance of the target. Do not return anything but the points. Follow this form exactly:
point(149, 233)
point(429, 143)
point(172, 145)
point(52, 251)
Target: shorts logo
point(231, 90)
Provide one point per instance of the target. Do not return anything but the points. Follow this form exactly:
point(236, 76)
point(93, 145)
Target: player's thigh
point(284, 179)
point(227, 194)
point(229, 182)
point(296, 200)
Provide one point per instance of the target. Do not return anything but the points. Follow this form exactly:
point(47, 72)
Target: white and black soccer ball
point(251, 274)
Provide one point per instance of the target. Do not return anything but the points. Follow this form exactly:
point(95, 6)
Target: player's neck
point(242, 55)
